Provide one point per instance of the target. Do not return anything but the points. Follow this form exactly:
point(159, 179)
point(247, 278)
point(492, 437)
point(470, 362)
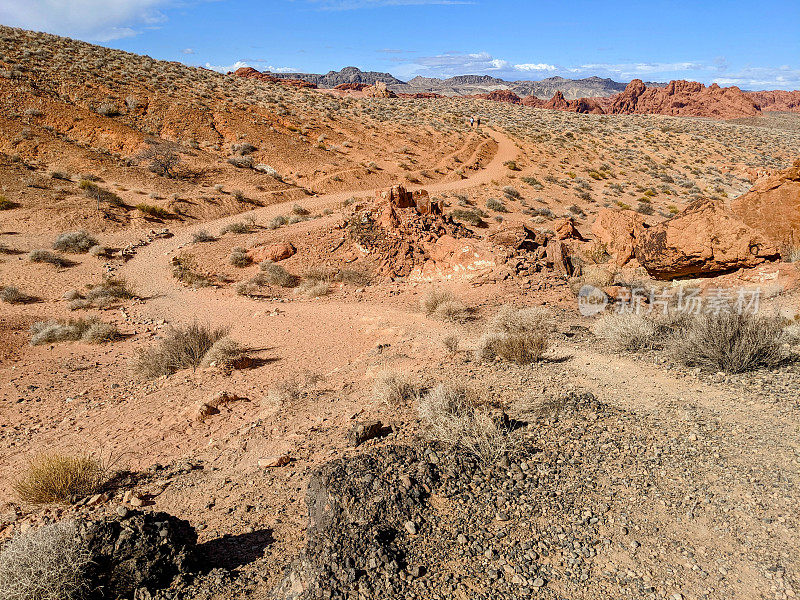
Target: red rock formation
point(618, 230)
point(500, 96)
point(776, 100)
point(534, 102)
point(772, 207)
point(705, 239)
point(684, 98)
point(379, 90)
point(251, 73)
point(358, 87)
point(558, 102)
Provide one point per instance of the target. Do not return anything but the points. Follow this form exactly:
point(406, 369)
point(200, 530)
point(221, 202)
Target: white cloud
point(95, 20)
point(188, 51)
point(539, 67)
point(226, 68)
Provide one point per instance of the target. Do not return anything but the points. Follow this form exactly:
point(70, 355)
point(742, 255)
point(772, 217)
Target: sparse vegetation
point(90, 330)
point(238, 227)
point(393, 389)
point(202, 236)
point(58, 478)
point(12, 295)
point(274, 274)
point(185, 270)
point(454, 417)
point(154, 211)
point(181, 347)
point(45, 563)
point(443, 304)
point(76, 242)
point(240, 258)
point(730, 342)
point(516, 335)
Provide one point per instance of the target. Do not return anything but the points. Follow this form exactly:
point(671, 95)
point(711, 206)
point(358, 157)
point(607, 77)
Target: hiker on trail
point(479, 122)
point(472, 121)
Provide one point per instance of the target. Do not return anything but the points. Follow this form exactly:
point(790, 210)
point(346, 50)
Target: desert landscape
point(281, 335)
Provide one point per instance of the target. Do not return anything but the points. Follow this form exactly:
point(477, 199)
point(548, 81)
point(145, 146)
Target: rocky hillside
point(347, 75)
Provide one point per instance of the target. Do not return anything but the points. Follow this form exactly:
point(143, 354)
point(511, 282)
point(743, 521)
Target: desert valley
point(275, 335)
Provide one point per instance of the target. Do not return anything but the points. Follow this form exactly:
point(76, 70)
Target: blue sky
point(754, 46)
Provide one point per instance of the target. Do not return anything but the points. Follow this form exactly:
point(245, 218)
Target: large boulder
point(705, 239)
point(618, 230)
point(772, 207)
point(141, 551)
point(274, 252)
point(379, 90)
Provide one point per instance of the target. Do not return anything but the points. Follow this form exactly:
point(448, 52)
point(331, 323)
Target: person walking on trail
point(472, 121)
point(479, 122)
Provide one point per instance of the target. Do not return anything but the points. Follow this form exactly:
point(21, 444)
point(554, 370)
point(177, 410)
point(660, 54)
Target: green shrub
point(76, 242)
point(180, 348)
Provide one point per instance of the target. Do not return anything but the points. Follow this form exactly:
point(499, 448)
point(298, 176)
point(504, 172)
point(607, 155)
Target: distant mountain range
point(466, 85)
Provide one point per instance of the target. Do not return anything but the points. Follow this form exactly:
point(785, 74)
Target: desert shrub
point(48, 257)
point(60, 175)
point(511, 193)
point(180, 348)
point(153, 211)
point(496, 205)
point(393, 388)
point(108, 109)
point(241, 162)
point(791, 253)
point(451, 343)
point(12, 295)
point(98, 194)
point(300, 211)
point(277, 222)
point(533, 182)
point(730, 341)
point(630, 332)
point(645, 208)
point(76, 242)
point(239, 258)
point(443, 304)
point(162, 160)
point(516, 335)
point(99, 251)
point(313, 288)
point(110, 288)
point(512, 165)
point(58, 477)
point(470, 217)
point(6, 204)
point(47, 563)
point(202, 236)
point(184, 269)
point(243, 148)
point(452, 416)
point(238, 227)
point(89, 330)
point(267, 170)
point(225, 353)
point(353, 276)
point(274, 274)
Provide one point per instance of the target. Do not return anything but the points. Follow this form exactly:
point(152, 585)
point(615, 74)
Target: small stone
point(122, 511)
point(538, 582)
point(411, 527)
point(501, 516)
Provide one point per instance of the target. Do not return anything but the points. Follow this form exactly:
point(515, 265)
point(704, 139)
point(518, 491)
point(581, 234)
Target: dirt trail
point(149, 270)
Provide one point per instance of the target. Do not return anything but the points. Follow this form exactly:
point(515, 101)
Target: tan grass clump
point(89, 330)
point(48, 563)
point(453, 416)
point(443, 304)
point(518, 335)
point(180, 348)
point(57, 478)
point(730, 342)
point(393, 388)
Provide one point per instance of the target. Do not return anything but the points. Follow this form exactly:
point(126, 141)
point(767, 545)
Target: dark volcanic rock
point(143, 550)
